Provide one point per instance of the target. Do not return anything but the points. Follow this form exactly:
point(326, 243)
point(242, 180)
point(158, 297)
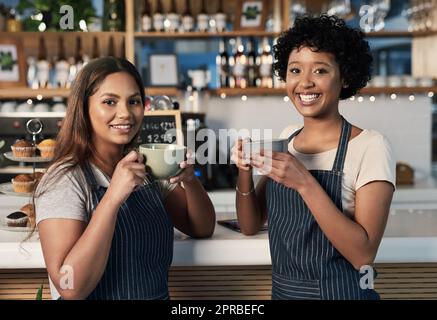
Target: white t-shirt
point(68, 196)
point(369, 158)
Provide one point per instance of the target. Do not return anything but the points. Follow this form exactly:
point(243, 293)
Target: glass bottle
point(158, 17)
point(202, 19)
point(76, 62)
point(42, 65)
point(32, 81)
point(62, 66)
point(187, 18)
point(220, 18)
point(240, 65)
point(222, 63)
point(252, 64)
point(113, 22)
point(266, 63)
point(146, 17)
point(172, 22)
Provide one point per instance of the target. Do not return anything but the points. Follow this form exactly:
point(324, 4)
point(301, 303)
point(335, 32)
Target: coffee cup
point(251, 148)
point(254, 147)
point(162, 160)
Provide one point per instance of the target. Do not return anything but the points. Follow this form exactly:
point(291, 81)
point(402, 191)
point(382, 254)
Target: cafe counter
point(230, 265)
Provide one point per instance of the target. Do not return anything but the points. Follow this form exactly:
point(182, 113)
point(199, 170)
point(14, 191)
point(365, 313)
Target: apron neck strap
point(342, 145)
point(89, 175)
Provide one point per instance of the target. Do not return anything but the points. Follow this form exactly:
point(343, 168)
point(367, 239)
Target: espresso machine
point(213, 175)
point(13, 128)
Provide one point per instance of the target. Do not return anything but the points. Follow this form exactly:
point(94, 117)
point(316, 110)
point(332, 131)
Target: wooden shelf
point(400, 34)
point(282, 91)
point(398, 90)
point(186, 35)
point(229, 92)
point(27, 93)
point(59, 33)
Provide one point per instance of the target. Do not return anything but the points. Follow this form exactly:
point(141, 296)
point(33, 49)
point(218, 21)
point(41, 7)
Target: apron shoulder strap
point(342, 146)
point(89, 175)
point(295, 133)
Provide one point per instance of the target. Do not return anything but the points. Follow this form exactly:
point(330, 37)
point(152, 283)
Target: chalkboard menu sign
point(161, 126)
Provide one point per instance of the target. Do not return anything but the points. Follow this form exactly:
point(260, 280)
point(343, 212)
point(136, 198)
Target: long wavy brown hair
point(73, 143)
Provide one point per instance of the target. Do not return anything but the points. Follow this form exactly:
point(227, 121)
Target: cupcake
point(23, 183)
point(17, 219)
point(23, 149)
point(47, 148)
point(30, 212)
point(37, 176)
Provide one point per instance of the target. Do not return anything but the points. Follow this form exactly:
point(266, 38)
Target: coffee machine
point(13, 128)
point(212, 175)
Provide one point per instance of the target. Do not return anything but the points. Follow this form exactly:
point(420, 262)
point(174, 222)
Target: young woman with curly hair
point(327, 199)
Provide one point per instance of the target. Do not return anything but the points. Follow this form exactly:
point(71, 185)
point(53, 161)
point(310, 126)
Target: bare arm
point(71, 247)
point(251, 208)
point(357, 240)
point(190, 207)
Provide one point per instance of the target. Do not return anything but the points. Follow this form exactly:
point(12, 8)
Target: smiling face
point(313, 82)
point(116, 112)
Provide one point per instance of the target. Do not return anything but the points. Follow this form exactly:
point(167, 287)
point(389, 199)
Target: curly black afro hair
point(328, 34)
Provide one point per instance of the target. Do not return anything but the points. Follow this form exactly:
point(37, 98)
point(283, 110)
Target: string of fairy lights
point(358, 98)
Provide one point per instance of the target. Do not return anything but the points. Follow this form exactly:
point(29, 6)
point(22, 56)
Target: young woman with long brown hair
point(106, 230)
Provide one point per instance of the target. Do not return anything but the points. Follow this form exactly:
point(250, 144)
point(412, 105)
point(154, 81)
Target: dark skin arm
point(360, 237)
point(251, 208)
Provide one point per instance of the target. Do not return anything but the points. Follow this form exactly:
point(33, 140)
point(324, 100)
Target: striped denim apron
point(305, 265)
point(142, 246)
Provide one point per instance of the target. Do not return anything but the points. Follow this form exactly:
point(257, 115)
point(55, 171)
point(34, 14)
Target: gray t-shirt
point(68, 195)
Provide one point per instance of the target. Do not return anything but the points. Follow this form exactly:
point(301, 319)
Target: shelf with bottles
point(53, 59)
point(194, 18)
point(235, 62)
point(205, 35)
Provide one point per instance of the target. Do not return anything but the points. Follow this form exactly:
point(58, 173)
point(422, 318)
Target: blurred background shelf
point(27, 93)
point(184, 35)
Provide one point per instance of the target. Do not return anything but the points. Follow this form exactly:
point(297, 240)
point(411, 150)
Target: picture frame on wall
point(251, 15)
point(163, 70)
point(12, 63)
